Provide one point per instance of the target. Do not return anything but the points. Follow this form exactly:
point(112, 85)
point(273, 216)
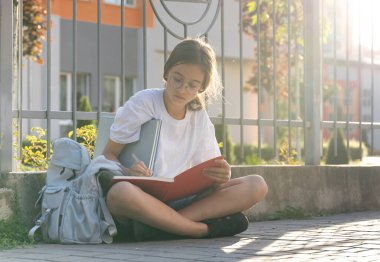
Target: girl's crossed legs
point(127, 201)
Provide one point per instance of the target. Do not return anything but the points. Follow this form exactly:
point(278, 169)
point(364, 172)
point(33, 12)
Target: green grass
point(13, 233)
point(289, 213)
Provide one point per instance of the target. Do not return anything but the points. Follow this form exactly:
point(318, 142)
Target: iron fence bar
point(98, 67)
point(48, 79)
point(342, 124)
point(165, 45)
point(372, 84)
point(162, 22)
point(289, 80)
point(20, 72)
point(191, 1)
point(41, 114)
point(74, 76)
point(6, 84)
point(347, 82)
point(199, 1)
point(335, 84)
point(145, 45)
point(179, 20)
point(184, 30)
point(360, 84)
point(312, 80)
point(241, 80)
point(258, 46)
point(298, 97)
point(223, 79)
point(275, 115)
point(122, 50)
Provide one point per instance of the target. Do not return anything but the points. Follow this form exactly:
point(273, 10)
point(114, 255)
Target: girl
point(187, 138)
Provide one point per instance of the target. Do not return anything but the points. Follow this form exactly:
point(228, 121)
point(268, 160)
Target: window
point(130, 3)
point(83, 89)
point(112, 95)
point(65, 95)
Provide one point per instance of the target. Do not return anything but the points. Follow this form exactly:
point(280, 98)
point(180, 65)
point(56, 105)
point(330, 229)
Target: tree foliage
point(34, 29)
point(273, 37)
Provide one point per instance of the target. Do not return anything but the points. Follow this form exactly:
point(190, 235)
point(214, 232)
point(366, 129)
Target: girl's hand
point(221, 174)
point(139, 169)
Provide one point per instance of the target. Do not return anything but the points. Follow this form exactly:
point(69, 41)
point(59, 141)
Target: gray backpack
point(73, 209)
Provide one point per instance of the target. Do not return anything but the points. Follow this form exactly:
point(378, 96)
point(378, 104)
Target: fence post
point(6, 81)
point(312, 80)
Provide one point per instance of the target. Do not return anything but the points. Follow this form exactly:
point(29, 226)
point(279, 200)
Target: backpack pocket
point(52, 203)
point(80, 221)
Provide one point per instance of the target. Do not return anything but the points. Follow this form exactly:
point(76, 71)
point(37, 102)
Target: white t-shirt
point(182, 144)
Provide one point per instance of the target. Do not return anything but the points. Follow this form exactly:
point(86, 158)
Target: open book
point(187, 183)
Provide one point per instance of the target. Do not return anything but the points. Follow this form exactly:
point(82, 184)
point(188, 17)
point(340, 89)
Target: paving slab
point(341, 237)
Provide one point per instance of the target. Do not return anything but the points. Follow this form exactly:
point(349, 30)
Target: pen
point(135, 158)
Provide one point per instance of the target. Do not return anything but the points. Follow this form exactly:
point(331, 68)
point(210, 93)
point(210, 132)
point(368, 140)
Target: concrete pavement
point(342, 237)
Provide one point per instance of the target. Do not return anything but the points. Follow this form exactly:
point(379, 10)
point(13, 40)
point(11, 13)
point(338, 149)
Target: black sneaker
point(143, 232)
point(227, 226)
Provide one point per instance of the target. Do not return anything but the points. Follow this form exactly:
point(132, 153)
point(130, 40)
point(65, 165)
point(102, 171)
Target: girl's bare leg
point(125, 200)
point(234, 196)
point(128, 201)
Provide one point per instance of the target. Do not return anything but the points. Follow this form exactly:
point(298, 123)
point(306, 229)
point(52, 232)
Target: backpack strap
point(39, 222)
point(109, 228)
point(110, 231)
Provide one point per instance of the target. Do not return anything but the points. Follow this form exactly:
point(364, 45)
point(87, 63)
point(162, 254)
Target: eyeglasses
point(192, 86)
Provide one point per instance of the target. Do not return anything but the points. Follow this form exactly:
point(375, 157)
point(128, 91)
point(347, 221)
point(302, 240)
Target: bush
point(84, 105)
point(355, 152)
point(230, 156)
point(86, 136)
point(286, 157)
point(341, 158)
point(34, 150)
point(251, 154)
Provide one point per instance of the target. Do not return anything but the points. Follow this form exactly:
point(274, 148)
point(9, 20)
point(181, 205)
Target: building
point(62, 64)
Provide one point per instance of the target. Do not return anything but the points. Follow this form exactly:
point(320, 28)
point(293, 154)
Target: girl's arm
point(112, 152)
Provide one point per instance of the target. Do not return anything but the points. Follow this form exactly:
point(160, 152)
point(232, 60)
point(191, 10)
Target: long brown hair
point(198, 52)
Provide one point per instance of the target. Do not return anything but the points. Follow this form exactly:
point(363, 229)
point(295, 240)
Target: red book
point(185, 184)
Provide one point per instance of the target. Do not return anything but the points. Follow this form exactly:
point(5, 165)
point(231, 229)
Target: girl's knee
point(120, 195)
point(257, 186)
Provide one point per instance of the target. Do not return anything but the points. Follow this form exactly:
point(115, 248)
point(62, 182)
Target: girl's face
point(183, 83)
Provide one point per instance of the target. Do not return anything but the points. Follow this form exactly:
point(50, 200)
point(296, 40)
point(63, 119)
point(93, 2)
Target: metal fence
point(300, 120)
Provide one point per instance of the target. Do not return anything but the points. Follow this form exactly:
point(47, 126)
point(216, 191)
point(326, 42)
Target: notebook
point(144, 149)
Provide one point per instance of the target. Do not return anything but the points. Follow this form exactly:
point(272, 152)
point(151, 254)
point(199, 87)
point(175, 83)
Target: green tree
point(341, 156)
point(273, 29)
